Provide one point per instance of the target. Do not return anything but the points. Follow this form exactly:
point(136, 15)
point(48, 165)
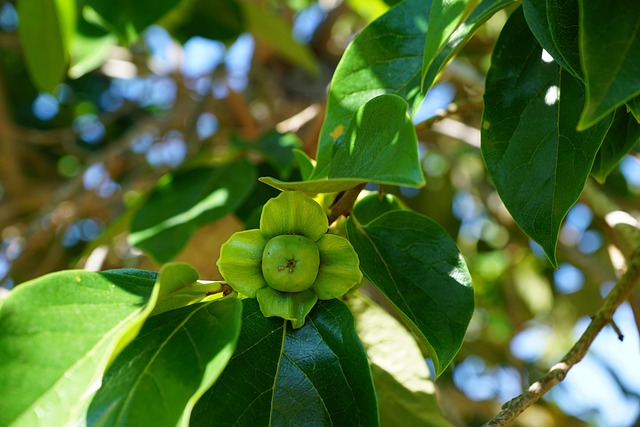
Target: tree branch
point(344, 202)
point(558, 372)
point(623, 290)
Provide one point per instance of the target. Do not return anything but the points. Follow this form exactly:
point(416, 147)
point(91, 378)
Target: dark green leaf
point(176, 357)
point(485, 10)
point(224, 21)
point(276, 148)
point(536, 158)
point(185, 201)
point(374, 205)
point(634, 107)
point(406, 394)
point(128, 18)
point(315, 375)
point(380, 146)
point(622, 136)
point(610, 46)
point(57, 334)
point(45, 35)
point(418, 267)
point(386, 57)
point(554, 23)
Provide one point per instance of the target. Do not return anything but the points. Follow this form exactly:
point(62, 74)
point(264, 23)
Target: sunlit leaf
point(176, 357)
point(57, 334)
point(418, 267)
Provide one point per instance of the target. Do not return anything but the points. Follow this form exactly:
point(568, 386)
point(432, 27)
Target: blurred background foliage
point(204, 83)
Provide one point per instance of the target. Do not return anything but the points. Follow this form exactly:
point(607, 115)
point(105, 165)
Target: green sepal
point(292, 306)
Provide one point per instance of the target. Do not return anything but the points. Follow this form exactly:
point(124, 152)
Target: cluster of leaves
point(169, 348)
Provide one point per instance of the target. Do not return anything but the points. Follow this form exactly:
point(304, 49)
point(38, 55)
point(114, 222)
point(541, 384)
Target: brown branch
point(558, 372)
point(344, 202)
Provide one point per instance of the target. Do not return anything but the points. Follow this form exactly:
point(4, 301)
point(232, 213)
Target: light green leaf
point(90, 46)
point(57, 334)
point(184, 201)
point(176, 357)
point(380, 146)
point(444, 18)
point(536, 158)
point(610, 46)
point(418, 267)
point(45, 35)
point(406, 394)
point(386, 57)
point(622, 136)
point(273, 375)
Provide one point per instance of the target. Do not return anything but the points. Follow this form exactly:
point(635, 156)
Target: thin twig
point(558, 372)
point(344, 202)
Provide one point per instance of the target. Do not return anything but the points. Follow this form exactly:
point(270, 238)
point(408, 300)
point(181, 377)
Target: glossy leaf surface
point(176, 357)
point(380, 146)
point(610, 46)
point(274, 376)
point(57, 334)
point(418, 267)
point(386, 57)
point(184, 201)
point(45, 35)
point(536, 158)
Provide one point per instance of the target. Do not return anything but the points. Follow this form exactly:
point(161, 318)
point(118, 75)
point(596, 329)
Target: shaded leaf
point(372, 206)
point(386, 57)
point(176, 357)
point(554, 23)
point(536, 158)
point(274, 376)
point(276, 148)
point(90, 46)
point(610, 46)
point(45, 35)
point(57, 334)
point(622, 136)
point(406, 394)
point(380, 146)
point(480, 14)
point(184, 201)
point(418, 267)
point(634, 107)
point(128, 18)
point(192, 18)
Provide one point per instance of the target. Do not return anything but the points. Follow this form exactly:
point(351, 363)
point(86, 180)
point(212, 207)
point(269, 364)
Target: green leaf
point(610, 46)
point(276, 33)
point(456, 41)
point(417, 266)
point(90, 46)
point(386, 57)
point(374, 205)
point(57, 334)
point(128, 18)
point(554, 23)
point(176, 357)
point(536, 158)
point(622, 136)
point(45, 36)
point(634, 107)
point(406, 394)
point(276, 148)
point(380, 146)
point(444, 18)
point(191, 18)
point(317, 374)
point(184, 201)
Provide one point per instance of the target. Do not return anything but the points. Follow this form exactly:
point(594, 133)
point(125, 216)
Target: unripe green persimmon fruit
point(290, 263)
